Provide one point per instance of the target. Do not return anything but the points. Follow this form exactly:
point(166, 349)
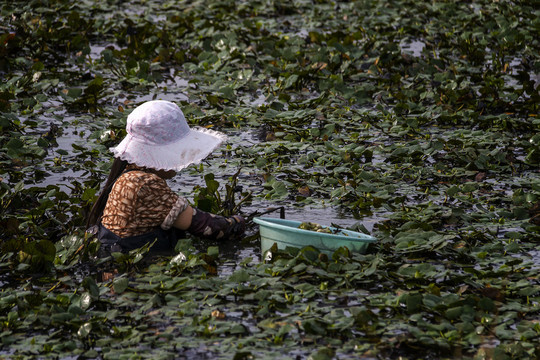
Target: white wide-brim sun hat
point(158, 137)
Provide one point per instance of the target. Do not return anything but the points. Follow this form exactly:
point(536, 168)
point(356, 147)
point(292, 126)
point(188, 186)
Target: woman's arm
point(209, 226)
point(183, 221)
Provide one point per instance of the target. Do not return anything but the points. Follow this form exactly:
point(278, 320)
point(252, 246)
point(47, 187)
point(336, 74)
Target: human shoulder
point(136, 180)
point(140, 176)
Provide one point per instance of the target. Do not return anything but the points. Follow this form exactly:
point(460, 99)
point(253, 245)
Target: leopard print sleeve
point(139, 202)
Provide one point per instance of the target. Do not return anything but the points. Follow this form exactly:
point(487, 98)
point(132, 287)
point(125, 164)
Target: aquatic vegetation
point(416, 122)
point(306, 225)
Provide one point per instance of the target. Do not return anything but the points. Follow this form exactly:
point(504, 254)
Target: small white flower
point(106, 135)
point(36, 76)
point(178, 259)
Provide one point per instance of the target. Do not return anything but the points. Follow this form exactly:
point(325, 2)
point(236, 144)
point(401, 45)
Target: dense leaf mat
point(417, 117)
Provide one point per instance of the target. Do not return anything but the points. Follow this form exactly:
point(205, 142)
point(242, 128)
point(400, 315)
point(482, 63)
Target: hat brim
point(192, 149)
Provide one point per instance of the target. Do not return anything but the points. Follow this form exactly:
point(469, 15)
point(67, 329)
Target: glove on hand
point(239, 228)
point(211, 226)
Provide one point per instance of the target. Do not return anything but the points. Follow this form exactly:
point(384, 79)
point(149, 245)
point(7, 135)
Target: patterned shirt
point(139, 202)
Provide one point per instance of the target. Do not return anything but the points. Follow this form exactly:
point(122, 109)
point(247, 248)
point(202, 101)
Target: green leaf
point(315, 327)
point(120, 284)
point(414, 303)
point(84, 330)
point(86, 301)
point(240, 276)
point(291, 81)
point(74, 93)
point(46, 249)
point(14, 144)
point(213, 251)
point(90, 284)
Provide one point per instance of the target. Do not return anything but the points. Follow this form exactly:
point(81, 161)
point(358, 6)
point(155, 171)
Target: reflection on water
point(231, 260)
point(415, 47)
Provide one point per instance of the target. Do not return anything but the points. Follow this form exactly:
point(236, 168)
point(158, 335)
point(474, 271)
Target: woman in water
point(136, 206)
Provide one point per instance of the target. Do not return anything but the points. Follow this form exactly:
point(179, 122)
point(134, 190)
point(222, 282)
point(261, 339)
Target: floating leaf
point(84, 330)
point(120, 284)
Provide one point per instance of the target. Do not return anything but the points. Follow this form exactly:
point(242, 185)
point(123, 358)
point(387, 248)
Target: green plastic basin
point(285, 233)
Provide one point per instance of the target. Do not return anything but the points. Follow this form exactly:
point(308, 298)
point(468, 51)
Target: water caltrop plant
point(416, 122)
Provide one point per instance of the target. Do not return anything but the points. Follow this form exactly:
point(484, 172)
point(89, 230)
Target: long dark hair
point(95, 214)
